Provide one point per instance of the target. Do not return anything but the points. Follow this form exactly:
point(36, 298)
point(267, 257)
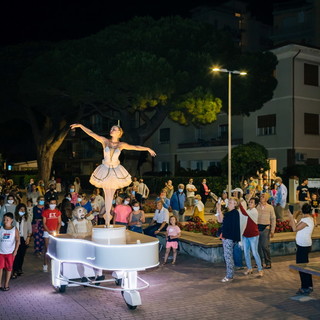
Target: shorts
point(172, 244)
point(46, 234)
point(6, 261)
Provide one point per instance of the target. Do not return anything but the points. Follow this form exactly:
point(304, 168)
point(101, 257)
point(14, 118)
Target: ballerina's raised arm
point(127, 146)
point(89, 132)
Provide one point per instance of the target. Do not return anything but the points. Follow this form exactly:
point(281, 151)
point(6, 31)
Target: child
point(9, 244)
point(51, 224)
point(314, 205)
point(172, 235)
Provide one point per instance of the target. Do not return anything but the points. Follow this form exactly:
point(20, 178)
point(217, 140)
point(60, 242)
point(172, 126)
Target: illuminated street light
point(230, 72)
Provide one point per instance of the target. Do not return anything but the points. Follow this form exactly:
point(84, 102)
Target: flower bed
point(210, 228)
point(283, 226)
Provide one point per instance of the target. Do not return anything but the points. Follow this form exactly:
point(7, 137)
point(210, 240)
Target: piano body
point(114, 249)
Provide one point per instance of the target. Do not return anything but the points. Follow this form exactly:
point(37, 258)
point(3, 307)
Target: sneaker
point(225, 279)
point(304, 292)
point(45, 268)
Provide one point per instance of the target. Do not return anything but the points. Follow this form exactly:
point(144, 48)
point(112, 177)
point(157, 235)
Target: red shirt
point(251, 229)
point(52, 220)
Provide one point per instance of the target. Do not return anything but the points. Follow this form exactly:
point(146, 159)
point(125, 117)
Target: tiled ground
point(189, 290)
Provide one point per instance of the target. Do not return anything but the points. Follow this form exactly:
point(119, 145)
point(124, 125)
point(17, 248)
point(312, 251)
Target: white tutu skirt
point(110, 178)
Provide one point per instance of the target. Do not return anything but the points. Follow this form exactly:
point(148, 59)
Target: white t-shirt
point(161, 216)
point(303, 237)
point(190, 193)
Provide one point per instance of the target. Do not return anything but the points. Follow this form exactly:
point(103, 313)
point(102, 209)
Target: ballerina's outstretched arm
point(95, 136)
point(127, 146)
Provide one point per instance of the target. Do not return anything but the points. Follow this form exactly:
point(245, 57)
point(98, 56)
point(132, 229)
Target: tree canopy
point(143, 69)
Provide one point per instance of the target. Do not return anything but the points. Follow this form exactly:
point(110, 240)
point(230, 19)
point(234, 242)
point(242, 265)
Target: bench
point(310, 268)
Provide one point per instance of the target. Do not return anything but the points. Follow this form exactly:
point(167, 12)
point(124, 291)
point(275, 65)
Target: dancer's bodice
point(111, 156)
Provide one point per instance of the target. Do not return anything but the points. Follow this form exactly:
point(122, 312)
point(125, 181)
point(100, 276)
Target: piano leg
point(129, 284)
point(56, 271)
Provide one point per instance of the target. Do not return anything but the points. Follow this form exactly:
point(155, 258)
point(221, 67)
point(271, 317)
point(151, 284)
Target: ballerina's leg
point(108, 197)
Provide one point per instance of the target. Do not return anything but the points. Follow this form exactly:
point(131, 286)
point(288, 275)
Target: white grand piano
point(114, 249)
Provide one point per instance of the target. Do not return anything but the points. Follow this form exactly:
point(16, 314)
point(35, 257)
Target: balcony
point(209, 143)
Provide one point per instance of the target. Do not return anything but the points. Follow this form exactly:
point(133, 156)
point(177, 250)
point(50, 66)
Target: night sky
point(49, 20)
point(68, 19)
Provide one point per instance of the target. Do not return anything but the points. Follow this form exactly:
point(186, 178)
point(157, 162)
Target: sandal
point(14, 276)
point(6, 289)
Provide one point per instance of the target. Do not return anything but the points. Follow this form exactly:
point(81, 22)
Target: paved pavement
point(189, 290)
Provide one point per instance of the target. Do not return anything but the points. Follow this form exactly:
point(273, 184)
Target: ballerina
point(111, 175)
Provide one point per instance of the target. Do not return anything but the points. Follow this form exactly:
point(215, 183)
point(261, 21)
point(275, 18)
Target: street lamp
point(230, 72)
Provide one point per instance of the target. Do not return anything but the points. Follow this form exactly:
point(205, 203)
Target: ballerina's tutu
point(110, 174)
point(110, 177)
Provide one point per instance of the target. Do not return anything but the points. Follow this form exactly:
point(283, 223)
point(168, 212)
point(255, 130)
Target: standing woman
point(230, 234)
point(37, 226)
point(304, 230)
point(110, 175)
point(204, 191)
point(77, 185)
point(25, 232)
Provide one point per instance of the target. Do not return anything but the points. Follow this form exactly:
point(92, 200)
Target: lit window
point(267, 125)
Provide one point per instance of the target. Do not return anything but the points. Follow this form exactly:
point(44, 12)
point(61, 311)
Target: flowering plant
point(149, 206)
point(209, 229)
point(283, 226)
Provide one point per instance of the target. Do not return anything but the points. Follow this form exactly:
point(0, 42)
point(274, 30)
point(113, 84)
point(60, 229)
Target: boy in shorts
point(9, 244)
point(51, 224)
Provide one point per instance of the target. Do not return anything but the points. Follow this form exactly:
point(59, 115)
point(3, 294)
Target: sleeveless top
point(7, 240)
point(111, 157)
point(136, 218)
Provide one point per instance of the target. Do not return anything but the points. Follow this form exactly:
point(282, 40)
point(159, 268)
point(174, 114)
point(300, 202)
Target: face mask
point(52, 206)
point(71, 190)
point(180, 190)
point(10, 201)
point(126, 202)
point(79, 199)
point(133, 192)
point(136, 208)
point(42, 184)
point(278, 184)
point(68, 198)
point(266, 187)
point(113, 201)
point(21, 213)
point(196, 201)
point(41, 202)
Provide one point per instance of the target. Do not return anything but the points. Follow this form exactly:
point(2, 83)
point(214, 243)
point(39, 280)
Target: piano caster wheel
point(118, 282)
point(62, 288)
point(128, 305)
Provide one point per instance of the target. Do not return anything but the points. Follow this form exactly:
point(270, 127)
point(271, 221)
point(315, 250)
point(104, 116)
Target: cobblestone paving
point(190, 290)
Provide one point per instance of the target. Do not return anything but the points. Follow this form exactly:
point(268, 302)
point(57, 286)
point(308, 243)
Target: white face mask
point(68, 198)
point(79, 199)
point(136, 208)
point(196, 201)
point(21, 213)
point(126, 202)
point(52, 206)
point(10, 201)
point(180, 190)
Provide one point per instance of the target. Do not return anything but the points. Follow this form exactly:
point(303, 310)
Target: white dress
point(110, 174)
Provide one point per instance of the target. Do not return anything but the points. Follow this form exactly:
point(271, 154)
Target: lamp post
point(230, 72)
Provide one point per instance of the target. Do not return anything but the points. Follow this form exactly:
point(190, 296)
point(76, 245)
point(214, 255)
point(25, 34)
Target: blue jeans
point(251, 243)
point(237, 255)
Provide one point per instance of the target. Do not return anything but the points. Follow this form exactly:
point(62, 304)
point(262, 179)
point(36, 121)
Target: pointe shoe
point(249, 271)
point(260, 273)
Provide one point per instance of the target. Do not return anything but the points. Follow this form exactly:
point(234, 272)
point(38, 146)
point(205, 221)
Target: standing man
point(266, 226)
point(143, 192)
point(281, 198)
point(303, 194)
point(191, 189)
point(177, 203)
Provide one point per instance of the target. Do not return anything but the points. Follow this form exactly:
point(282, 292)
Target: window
point(311, 123)
point(267, 125)
point(198, 134)
point(164, 136)
point(311, 74)
point(223, 131)
point(165, 166)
